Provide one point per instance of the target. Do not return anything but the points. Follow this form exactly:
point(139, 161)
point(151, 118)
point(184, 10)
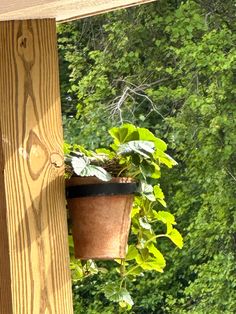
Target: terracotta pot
point(100, 213)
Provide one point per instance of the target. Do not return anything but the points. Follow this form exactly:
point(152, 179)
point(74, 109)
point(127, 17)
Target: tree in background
point(169, 66)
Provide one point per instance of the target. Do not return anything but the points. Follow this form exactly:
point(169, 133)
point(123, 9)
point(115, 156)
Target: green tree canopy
point(169, 66)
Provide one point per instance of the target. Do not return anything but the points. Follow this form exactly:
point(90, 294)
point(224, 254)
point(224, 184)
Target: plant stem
point(155, 237)
point(122, 267)
point(122, 170)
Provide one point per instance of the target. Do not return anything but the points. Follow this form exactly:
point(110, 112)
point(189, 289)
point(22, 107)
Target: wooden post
point(34, 259)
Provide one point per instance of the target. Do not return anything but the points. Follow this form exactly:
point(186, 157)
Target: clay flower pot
point(100, 213)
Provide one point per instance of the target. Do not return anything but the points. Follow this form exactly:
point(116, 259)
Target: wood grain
point(5, 274)
point(62, 10)
point(31, 126)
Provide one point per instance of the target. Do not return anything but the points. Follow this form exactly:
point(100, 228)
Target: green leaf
point(144, 223)
point(135, 211)
point(147, 169)
point(116, 294)
point(165, 217)
point(126, 132)
point(165, 159)
point(146, 135)
point(76, 269)
point(147, 262)
point(176, 238)
point(79, 149)
point(126, 297)
point(96, 171)
point(132, 253)
point(122, 304)
point(151, 263)
point(67, 148)
point(169, 227)
point(156, 174)
point(158, 255)
point(147, 191)
point(103, 151)
point(79, 164)
point(159, 195)
point(143, 148)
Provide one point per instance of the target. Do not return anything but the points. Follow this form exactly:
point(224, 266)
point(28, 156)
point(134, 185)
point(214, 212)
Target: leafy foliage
point(136, 153)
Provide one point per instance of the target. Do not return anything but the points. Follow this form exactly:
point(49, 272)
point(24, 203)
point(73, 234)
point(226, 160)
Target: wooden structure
point(61, 10)
point(34, 258)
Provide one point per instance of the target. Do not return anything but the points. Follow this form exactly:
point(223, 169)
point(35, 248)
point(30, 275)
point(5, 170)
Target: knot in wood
point(57, 160)
point(23, 42)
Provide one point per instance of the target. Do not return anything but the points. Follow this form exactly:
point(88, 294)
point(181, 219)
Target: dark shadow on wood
point(5, 271)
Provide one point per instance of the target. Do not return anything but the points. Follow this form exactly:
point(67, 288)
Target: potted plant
point(101, 188)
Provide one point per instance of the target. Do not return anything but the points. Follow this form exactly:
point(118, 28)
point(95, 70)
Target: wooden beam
point(61, 10)
point(5, 272)
point(34, 255)
point(101, 9)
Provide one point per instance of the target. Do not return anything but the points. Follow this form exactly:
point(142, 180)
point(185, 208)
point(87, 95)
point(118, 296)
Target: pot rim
point(102, 188)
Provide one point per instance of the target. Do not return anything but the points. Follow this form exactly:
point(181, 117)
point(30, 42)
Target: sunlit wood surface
point(62, 10)
point(35, 259)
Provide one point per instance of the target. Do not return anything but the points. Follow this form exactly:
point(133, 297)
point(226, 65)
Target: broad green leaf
point(159, 154)
point(126, 297)
point(158, 255)
point(165, 217)
point(79, 164)
point(91, 267)
point(147, 190)
point(116, 294)
point(135, 211)
point(103, 270)
point(156, 174)
point(103, 151)
point(173, 162)
point(145, 134)
point(176, 238)
point(144, 223)
point(143, 148)
point(147, 169)
point(76, 269)
point(132, 253)
point(169, 227)
point(150, 263)
point(143, 255)
point(160, 144)
point(159, 195)
point(158, 192)
point(96, 171)
point(79, 149)
point(164, 158)
point(120, 134)
point(168, 161)
point(112, 292)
